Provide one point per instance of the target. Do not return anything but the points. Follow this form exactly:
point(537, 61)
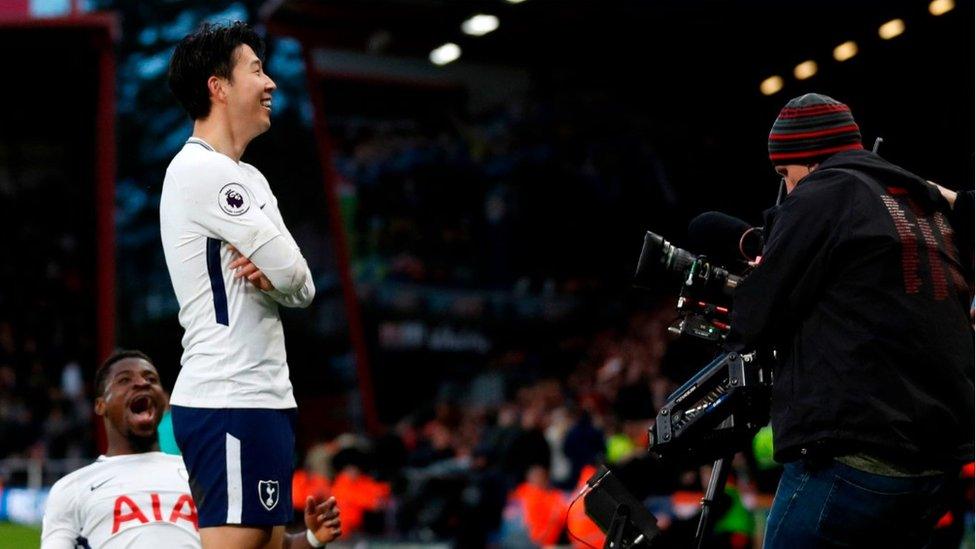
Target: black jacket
point(863, 294)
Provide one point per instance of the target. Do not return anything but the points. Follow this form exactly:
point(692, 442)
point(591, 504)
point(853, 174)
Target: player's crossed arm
point(270, 260)
point(245, 268)
point(291, 275)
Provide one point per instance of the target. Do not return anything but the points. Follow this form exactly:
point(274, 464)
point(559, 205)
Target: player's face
point(249, 92)
point(793, 173)
point(134, 400)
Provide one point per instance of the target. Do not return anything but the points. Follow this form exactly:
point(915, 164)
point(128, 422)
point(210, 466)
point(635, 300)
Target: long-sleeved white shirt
point(233, 344)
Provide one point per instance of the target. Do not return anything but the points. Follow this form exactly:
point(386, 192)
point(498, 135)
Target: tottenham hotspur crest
point(268, 492)
point(233, 199)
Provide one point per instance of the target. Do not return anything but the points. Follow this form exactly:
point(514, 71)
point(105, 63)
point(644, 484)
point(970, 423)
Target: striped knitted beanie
point(810, 128)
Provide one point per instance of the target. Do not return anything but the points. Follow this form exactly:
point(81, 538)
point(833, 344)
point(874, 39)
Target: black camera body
point(711, 416)
point(695, 272)
point(721, 407)
point(706, 288)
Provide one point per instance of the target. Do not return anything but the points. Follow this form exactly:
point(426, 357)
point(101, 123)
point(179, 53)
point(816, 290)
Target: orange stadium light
point(891, 29)
point(939, 7)
point(771, 85)
point(845, 51)
point(805, 70)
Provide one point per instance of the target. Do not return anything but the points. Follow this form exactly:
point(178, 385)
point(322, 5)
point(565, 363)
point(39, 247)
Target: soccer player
point(232, 262)
point(134, 495)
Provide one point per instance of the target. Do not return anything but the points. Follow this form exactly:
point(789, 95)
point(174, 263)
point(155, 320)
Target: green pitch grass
point(15, 536)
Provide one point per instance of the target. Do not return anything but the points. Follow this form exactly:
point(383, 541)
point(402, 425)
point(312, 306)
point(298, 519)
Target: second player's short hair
point(205, 53)
point(101, 374)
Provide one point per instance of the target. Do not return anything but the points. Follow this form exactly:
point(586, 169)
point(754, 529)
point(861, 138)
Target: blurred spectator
point(356, 493)
point(528, 449)
point(537, 509)
point(306, 483)
point(584, 444)
point(560, 468)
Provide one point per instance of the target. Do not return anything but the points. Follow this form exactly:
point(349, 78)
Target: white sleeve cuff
point(282, 264)
point(312, 540)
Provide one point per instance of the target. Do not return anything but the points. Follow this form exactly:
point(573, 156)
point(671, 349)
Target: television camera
point(714, 414)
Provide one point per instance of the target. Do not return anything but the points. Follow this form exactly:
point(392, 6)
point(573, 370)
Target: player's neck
point(220, 134)
point(121, 445)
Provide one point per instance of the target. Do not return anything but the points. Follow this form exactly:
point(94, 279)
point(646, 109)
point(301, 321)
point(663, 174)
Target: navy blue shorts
point(240, 462)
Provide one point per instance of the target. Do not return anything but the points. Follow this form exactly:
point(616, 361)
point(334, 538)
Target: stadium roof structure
point(695, 65)
point(686, 42)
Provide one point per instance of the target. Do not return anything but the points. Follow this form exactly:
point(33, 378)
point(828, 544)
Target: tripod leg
point(716, 482)
point(618, 526)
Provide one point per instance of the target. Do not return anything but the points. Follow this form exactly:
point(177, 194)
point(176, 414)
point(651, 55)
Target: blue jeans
point(833, 505)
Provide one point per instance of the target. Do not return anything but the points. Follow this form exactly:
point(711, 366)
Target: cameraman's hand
point(950, 196)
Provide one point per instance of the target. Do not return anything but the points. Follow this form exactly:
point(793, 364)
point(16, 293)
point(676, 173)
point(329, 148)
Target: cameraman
point(864, 296)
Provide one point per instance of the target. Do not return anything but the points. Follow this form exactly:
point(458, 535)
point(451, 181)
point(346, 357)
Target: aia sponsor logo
point(127, 510)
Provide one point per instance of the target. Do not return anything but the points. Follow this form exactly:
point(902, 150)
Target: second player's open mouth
point(143, 408)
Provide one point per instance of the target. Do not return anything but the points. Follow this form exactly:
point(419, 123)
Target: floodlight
point(445, 54)
point(480, 25)
point(845, 51)
point(891, 29)
point(938, 7)
point(771, 85)
point(805, 70)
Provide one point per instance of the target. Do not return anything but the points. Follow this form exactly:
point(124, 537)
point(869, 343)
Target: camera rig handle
point(701, 320)
point(716, 412)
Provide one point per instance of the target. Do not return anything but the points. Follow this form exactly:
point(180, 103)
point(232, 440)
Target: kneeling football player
point(135, 495)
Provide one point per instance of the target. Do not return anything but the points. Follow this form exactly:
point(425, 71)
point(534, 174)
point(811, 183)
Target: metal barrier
point(37, 473)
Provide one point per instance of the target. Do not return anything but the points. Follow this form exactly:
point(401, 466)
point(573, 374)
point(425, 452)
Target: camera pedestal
point(720, 471)
point(618, 526)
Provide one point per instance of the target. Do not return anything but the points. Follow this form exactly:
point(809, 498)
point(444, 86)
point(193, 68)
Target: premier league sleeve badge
point(233, 199)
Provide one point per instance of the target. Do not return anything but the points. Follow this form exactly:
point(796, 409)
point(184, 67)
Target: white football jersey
point(233, 344)
point(136, 500)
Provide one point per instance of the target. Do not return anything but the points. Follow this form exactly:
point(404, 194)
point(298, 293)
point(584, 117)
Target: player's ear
point(215, 85)
point(100, 406)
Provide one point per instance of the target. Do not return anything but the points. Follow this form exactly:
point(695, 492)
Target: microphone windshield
point(720, 237)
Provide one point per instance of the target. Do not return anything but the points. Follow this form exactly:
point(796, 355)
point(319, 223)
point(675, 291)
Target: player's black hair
point(205, 53)
point(101, 374)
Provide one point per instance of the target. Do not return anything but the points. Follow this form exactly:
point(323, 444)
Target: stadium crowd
point(507, 472)
point(46, 332)
point(467, 199)
point(499, 456)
